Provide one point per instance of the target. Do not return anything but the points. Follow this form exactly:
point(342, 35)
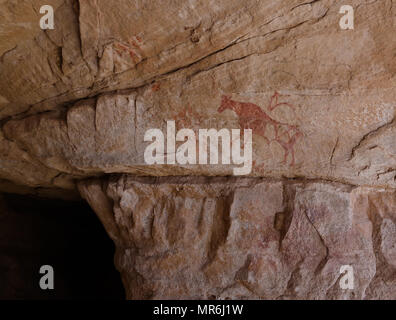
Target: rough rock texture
point(76, 101)
point(247, 238)
point(65, 118)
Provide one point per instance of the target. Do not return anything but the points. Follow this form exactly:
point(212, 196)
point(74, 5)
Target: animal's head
point(225, 103)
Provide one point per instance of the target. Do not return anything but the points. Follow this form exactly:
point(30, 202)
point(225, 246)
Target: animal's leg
point(261, 130)
point(291, 145)
point(276, 129)
point(285, 156)
point(266, 139)
point(274, 96)
point(295, 138)
point(292, 162)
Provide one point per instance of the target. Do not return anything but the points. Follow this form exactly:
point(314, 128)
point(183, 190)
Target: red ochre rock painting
point(252, 116)
point(187, 118)
point(155, 87)
point(131, 48)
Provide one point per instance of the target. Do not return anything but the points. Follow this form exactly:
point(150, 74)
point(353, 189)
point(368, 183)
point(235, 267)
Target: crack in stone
point(369, 135)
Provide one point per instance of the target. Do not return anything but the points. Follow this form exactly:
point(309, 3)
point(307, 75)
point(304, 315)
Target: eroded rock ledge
point(76, 101)
point(229, 238)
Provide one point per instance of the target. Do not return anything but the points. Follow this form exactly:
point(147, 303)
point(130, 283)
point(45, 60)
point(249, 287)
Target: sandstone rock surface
point(81, 96)
point(247, 238)
point(76, 101)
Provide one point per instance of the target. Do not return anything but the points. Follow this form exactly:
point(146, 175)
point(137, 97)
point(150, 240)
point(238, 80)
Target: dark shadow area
point(65, 235)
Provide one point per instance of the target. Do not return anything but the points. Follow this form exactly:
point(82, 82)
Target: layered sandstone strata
point(76, 101)
point(204, 238)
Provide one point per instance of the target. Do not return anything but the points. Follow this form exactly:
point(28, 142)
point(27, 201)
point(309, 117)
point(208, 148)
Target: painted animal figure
point(251, 116)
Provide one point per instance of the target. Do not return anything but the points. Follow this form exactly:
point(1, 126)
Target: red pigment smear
point(121, 48)
point(134, 44)
point(155, 87)
point(186, 118)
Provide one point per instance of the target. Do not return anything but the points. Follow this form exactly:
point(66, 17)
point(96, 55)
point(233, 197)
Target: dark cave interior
point(65, 235)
